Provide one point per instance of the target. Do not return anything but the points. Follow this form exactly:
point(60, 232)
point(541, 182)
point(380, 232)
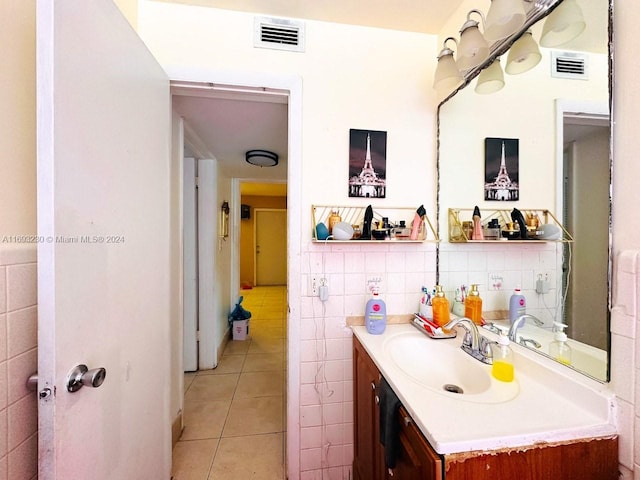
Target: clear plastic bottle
point(559, 349)
point(440, 306)
point(473, 305)
point(502, 367)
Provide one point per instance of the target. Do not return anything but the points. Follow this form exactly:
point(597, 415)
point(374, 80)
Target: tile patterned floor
point(234, 415)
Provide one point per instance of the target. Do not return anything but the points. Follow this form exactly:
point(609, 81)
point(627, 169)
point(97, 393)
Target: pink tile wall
point(326, 362)
point(18, 360)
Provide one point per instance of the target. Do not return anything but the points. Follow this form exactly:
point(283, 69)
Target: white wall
point(223, 287)
point(352, 77)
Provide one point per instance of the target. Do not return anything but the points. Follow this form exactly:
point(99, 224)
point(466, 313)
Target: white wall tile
point(310, 459)
point(23, 461)
point(19, 369)
point(623, 366)
point(23, 421)
point(627, 261)
point(311, 475)
point(4, 461)
point(310, 416)
point(21, 286)
point(310, 437)
point(354, 263)
point(4, 386)
point(622, 324)
point(395, 262)
point(3, 337)
point(22, 330)
point(4, 433)
point(3, 289)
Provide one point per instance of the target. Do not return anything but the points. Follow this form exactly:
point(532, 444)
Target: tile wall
point(326, 368)
point(625, 376)
point(18, 360)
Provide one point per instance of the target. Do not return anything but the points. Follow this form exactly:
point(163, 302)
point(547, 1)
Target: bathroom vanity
point(545, 425)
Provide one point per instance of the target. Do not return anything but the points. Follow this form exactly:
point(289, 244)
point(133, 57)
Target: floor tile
point(192, 460)
point(212, 387)
point(237, 347)
point(257, 457)
point(262, 362)
point(204, 419)
point(227, 364)
point(259, 384)
point(266, 345)
point(251, 416)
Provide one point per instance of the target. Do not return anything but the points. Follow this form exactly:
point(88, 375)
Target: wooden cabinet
point(368, 453)
point(586, 459)
point(416, 459)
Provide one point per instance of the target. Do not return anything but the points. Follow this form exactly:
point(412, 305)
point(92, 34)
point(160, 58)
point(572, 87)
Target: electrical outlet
point(496, 281)
point(314, 286)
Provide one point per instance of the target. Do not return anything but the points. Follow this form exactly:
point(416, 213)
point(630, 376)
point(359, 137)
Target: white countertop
point(554, 403)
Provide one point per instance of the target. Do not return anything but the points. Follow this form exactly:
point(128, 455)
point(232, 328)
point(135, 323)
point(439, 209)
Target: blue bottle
point(375, 315)
point(517, 305)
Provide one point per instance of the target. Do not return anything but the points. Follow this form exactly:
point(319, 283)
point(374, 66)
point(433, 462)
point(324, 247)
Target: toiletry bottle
point(473, 306)
point(517, 305)
point(477, 234)
point(333, 219)
point(440, 306)
point(375, 313)
point(425, 310)
point(559, 349)
point(502, 367)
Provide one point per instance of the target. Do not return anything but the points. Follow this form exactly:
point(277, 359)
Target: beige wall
point(247, 272)
point(17, 118)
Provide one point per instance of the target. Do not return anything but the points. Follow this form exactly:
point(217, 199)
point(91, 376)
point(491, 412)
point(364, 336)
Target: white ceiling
point(223, 123)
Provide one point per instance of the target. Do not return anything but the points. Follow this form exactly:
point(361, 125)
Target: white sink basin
point(441, 366)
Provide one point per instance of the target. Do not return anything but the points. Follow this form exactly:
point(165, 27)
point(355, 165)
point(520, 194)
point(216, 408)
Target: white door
point(103, 261)
point(190, 295)
point(271, 247)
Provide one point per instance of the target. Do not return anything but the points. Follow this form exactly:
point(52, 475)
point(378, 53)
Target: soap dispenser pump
point(559, 349)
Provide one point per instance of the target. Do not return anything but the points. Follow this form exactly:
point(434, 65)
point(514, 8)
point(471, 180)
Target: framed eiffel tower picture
point(367, 163)
point(501, 170)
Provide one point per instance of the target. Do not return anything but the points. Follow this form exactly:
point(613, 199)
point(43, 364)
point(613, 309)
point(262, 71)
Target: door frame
point(255, 238)
point(292, 84)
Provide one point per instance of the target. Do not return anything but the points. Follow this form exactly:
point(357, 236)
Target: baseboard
point(176, 429)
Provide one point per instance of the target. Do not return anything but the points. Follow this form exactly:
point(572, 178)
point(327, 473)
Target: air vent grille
point(279, 34)
point(569, 65)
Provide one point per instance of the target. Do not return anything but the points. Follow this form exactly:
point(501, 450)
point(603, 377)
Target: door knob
point(81, 376)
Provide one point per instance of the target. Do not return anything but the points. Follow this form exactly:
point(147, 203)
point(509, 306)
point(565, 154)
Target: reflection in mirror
point(558, 111)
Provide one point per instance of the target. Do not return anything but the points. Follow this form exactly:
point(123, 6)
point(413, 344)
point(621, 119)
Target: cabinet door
point(367, 463)
point(416, 459)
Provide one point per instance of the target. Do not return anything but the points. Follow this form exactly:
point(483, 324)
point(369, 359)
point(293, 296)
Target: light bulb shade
point(491, 79)
point(473, 48)
point(562, 25)
point(447, 76)
point(505, 17)
point(262, 158)
point(524, 54)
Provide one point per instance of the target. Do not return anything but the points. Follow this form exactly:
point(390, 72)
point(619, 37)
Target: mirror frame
point(496, 50)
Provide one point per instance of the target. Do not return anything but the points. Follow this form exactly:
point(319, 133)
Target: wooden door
point(271, 247)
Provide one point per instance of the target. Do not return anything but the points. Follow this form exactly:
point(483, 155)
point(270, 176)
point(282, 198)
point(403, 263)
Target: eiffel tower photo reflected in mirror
point(501, 169)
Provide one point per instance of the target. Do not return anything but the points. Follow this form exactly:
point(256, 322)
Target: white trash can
point(240, 329)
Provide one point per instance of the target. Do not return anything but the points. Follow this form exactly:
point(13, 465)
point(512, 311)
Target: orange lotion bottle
point(440, 306)
point(473, 306)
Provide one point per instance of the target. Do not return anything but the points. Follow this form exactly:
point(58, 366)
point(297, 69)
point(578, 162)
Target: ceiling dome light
point(262, 158)
point(505, 17)
point(491, 79)
point(473, 48)
point(562, 25)
point(524, 54)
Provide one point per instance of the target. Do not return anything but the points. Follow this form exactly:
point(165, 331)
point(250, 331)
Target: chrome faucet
point(473, 343)
point(527, 341)
point(518, 322)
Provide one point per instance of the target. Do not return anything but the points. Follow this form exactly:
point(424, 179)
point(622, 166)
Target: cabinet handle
point(407, 421)
point(373, 386)
point(377, 399)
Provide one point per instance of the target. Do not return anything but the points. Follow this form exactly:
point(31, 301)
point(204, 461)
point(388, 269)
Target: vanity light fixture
point(505, 17)
point(524, 54)
point(447, 76)
point(562, 25)
point(491, 79)
point(473, 49)
point(262, 158)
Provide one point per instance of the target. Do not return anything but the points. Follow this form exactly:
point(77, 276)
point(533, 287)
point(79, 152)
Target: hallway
point(235, 414)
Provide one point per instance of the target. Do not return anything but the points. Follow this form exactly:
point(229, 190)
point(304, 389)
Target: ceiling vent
point(569, 65)
point(278, 34)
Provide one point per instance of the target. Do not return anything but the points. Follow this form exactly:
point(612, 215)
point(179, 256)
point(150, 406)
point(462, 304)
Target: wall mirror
point(559, 113)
